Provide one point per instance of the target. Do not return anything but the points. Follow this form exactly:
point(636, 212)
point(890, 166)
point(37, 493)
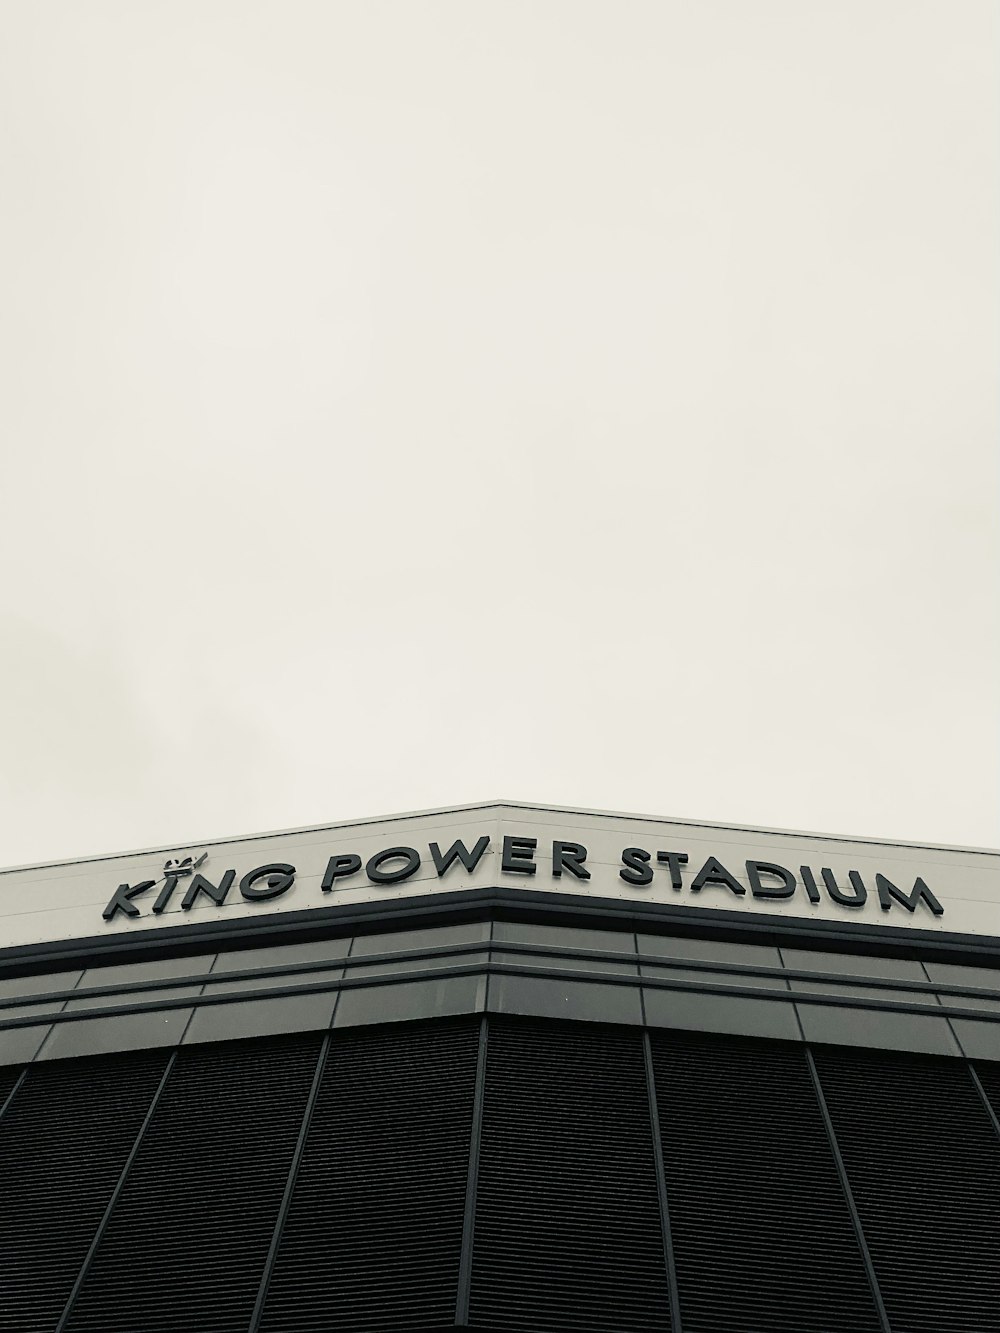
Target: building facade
point(503, 1067)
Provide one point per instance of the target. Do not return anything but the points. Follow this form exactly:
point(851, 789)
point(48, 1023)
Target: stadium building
point(503, 1067)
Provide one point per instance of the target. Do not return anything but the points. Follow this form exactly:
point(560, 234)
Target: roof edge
point(496, 805)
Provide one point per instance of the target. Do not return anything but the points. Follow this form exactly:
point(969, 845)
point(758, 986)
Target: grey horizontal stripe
point(928, 988)
point(563, 975)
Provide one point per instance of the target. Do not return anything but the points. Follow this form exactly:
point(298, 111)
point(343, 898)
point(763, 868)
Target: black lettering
point(674, 860)
point(163, 897)
point(809, 880)
point(458, 852)
point(217, 893)
point(569, 856)
point(635, 866)
point(518, 856)
point(280, 877)
point(887, 891)
point(714, 872)
point(122, 899)
point(411, 863)
point(338, 867)
point(759, 890)
point(856, 899)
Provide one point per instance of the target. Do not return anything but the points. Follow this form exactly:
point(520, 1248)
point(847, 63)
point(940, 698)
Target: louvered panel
point(63, 1142)
point(924, 1166)
point(568, 1231)
point(185, 1246)
point(373, 1236)
point(760, 1224)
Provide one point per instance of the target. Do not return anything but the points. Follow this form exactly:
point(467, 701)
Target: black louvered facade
point(756, 1206)
point(502, 1112)
point(373, 1236)
point(567, 1192)
point(302, 1183)
point(185, 1243)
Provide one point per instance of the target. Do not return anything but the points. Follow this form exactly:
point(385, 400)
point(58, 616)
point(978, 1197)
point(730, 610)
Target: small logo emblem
point(183, 865)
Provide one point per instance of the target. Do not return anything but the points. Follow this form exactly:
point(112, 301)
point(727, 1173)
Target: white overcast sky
point(590, 402)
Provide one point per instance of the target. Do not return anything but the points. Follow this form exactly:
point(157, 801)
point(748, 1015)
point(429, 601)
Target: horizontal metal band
point(497, 968)
point(902, 939)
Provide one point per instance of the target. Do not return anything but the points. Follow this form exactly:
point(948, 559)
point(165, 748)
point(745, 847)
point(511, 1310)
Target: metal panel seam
point(795, 1007)
point(464, 1292)
point(13, 1092)
point(286, 1198)
point(102, 1225)
point(673, 1291)
point(845, 1185)
point(977, 1082)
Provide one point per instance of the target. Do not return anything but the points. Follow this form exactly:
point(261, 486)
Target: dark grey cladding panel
point(282, 955)
point(157, 969)
point(979, 1040)
point(19, 1046)
point(854, 964)
point(709, 950)
point(396, 1002)
point(959, 974)
point(555, 997)
point(429, 937)
point(257, 1018)
point(401, 967)
point(705, 976)
point(37, 984)
point(512, 956)
point(98, 999)
point(983, 982)
point(886, 1029)
point(700, 1011)
point(124, 1032)
point(101, 988)
point(563, 937)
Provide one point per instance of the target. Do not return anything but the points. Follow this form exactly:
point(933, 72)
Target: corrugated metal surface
point(924, 1167)
point(759, 1221)
point(63, 1142)
point(374, 1231)
point(567, 1224)
point(185, 1246)
point(568, 1229)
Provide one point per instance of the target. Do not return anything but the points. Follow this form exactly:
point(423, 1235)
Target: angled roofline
point(495, 805)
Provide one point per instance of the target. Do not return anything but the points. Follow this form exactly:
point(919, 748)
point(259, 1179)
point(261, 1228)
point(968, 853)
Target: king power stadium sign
point(617, 862)
point(684, 875)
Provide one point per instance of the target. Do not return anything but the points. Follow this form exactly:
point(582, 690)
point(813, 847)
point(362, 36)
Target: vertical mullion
point(13, 1092)
point(845, 1185)
point(673, 1290)
point(286, 1198)
point(464, 1293)
point(102, 1225)
point(979, 1088)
